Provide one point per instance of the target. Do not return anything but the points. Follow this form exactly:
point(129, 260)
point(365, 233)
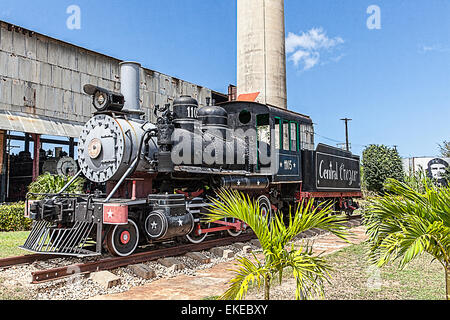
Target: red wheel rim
point(125, 237)
point(264, 211)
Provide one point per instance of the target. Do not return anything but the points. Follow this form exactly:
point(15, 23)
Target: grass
point(10, 241)
point(354, 278)
point(15, 293)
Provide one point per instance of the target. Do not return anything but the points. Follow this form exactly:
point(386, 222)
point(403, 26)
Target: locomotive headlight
point(100, 100)
point(94, 148)
point(103, 99)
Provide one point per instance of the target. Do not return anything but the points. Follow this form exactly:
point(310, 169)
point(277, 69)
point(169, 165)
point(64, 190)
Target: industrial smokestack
point(129, 85)
point(261, 56)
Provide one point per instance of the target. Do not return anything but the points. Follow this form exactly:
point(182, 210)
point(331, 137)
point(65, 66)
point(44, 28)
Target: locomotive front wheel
point(122, 240)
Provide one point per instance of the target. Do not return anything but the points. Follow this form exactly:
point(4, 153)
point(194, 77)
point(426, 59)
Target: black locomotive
point(160, 175)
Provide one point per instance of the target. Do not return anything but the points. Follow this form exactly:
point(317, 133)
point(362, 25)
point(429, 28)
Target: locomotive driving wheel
point(194, 236)
point(265, 207)
point(122, 240)
point(232, 232)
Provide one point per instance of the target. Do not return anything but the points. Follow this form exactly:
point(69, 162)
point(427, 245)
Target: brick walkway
point(213, 281)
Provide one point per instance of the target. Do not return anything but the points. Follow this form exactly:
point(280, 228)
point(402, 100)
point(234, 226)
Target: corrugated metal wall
point(45, 77)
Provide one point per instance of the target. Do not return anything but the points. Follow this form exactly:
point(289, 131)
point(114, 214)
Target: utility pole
point(346, 132)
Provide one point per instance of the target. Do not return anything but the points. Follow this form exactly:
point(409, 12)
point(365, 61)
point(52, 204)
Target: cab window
point(294, 138)
point(286, 138)
point(277, 136)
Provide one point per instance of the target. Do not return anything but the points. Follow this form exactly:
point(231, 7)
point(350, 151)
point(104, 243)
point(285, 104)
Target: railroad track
point(117, 262)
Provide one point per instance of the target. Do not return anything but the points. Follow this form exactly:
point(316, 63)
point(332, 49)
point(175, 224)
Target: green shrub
point(12, 217)
point(48, 183)
point(417, 181)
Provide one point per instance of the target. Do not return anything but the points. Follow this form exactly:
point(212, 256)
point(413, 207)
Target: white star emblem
point(238, 182)
point(154, 225)
point(110, 214)
point(258, 183)
point(180, 223)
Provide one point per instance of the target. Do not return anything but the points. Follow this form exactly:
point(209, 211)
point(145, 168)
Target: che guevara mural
point(433, 167)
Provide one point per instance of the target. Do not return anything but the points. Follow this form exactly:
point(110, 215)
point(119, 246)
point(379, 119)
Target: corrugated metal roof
point(38, 124)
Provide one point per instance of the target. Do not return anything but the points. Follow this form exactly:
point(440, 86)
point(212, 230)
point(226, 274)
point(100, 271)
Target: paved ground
point(213, 281)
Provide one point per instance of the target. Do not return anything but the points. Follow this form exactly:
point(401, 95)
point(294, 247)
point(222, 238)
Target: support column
point(36, 148)
point(71, 147)
point(3, 165)
point(27, 142)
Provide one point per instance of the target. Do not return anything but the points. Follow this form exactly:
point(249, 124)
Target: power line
point(337, 141)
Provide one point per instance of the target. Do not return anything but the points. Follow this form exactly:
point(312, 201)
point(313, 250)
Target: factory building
point(42, 103)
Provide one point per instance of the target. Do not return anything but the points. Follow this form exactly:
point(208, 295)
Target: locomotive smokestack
point(261, 56)
point(129, 85)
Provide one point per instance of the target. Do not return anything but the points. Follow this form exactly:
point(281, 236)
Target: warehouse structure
point(42, 100)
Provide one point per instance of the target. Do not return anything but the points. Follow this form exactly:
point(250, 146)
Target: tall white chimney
point(261, 55)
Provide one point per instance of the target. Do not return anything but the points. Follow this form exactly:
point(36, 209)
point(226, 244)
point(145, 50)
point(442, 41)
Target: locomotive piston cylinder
point(169, 217)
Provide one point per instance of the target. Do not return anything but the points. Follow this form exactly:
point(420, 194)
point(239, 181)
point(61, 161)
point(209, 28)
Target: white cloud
point(435, 48)
point(305, 49)
point(5, 13)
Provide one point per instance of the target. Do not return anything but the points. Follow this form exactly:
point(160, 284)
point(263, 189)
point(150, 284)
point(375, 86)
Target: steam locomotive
point(159, 176)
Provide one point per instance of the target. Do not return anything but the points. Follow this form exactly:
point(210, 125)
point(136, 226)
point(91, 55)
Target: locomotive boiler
point(160, 176)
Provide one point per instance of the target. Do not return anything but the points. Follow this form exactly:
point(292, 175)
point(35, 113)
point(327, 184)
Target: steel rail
point(117, 262)
point(29, 258)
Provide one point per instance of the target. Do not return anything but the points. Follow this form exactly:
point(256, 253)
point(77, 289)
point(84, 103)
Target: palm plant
point(407, 222)
point(309, 270)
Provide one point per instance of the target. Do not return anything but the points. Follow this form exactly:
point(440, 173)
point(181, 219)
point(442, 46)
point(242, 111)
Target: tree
point(380, 163)
point(407, 223)
point(445, 152)
point(309, 270)
point(445, 149)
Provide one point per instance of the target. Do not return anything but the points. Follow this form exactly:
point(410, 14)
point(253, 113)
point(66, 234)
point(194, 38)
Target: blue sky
point(394, 82)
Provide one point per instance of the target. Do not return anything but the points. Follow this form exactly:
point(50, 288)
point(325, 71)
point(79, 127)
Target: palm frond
point(309, 271)
point(249, 273)
point(234, 204)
